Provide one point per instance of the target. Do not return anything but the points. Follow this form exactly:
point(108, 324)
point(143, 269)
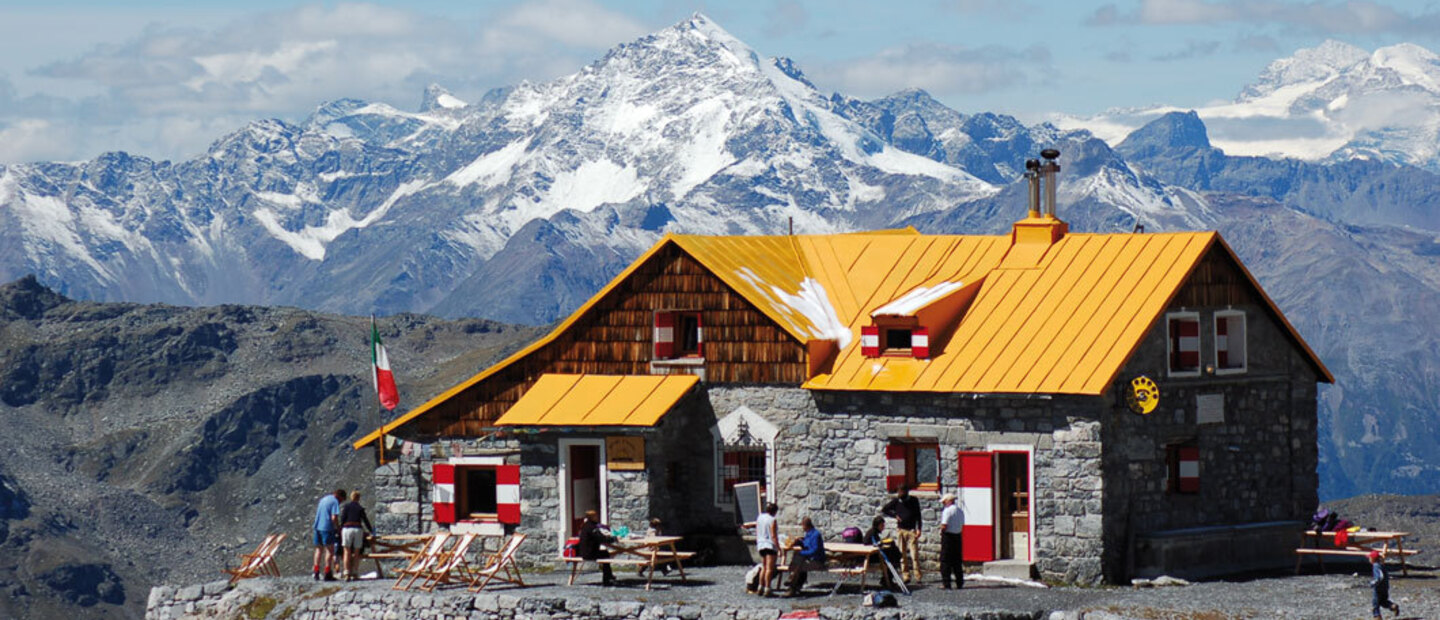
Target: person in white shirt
point(767, 544)
point(952, 522)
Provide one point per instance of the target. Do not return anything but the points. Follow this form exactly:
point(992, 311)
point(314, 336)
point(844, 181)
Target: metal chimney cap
point(1050, 154)
point(1032, 164)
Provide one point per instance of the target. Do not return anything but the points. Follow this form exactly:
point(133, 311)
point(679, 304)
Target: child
point(1380, 584)
point(651, 532)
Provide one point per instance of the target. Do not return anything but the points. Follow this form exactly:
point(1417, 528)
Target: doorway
point(1012, 494)
point(582, 476)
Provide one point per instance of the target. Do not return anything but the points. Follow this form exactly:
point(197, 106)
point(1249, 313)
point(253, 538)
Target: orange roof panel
point(598, 400)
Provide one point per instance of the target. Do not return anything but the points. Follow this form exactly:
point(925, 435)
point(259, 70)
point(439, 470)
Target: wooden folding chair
point(502, 561)
point(422, 562)
point(258, 562)
point(449, 562)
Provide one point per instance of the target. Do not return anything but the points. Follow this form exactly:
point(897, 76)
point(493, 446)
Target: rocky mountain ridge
point(151, 442)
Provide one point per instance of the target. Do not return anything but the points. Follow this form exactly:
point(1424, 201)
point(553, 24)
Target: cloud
point(939, 69)
point(1350, 17)
point(1192, 49)
point(167, 87)
point(785, 17)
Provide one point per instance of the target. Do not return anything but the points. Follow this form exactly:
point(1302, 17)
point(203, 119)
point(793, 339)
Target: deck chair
point(261, 561)
point(422, 562)
point(502, 561)
point(449, 563)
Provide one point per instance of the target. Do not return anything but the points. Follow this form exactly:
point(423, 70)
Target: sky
point(166, 78)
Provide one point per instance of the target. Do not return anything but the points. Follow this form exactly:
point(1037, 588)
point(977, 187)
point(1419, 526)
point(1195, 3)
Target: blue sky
point(164, 78)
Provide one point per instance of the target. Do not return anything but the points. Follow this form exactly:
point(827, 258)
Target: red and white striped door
point(977, 499)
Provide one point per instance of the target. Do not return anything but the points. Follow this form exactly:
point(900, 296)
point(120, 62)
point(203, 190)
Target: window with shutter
point(1183, 330)
point(1229, 342)
point(1183, 468)
point(913, 464)
point(678, 335)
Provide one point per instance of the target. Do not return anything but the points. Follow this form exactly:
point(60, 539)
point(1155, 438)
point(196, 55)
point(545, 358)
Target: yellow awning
point(598, 400)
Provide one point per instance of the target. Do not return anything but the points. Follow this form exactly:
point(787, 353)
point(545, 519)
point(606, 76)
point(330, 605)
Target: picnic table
point(844, 560)
point(650, 552)
point(1359, 544)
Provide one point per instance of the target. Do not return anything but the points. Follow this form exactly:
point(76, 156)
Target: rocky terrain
point(152, 443)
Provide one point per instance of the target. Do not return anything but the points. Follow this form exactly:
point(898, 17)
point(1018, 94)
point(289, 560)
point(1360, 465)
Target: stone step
point(1014, 569)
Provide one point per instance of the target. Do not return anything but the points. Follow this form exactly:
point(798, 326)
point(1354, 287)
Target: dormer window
point(678, 334)
point(895, 337)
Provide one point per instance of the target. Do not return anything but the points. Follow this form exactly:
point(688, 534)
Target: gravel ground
point(1341, 593)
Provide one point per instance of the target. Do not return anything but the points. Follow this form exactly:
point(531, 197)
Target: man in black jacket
point(906, 511)
point(592, 545)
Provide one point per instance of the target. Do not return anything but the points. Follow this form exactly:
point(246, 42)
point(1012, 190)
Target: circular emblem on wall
point(1144, 395)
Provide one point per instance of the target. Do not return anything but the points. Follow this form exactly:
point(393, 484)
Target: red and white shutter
point(507, 493)
point(664, 335)
point(895, 472)
point(444, 494)
point(870, 341)
point(1222, 343)
point(977, 499)
point(920, 342)
point(1189, 469)
point(1185, 344)
point(699, 336)
point(729, 472)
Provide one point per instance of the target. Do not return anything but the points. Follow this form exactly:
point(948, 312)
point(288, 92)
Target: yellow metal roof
point(1058, 318)
point(598, 400)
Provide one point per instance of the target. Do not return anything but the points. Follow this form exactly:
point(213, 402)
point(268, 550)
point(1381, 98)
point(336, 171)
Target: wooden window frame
point(1172, 468)
point(1170, 341)
point(910, 448)
point(462, 494)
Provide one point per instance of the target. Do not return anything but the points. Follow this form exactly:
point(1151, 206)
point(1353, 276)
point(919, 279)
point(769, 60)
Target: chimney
point(1048, 170)
point(1032, 237)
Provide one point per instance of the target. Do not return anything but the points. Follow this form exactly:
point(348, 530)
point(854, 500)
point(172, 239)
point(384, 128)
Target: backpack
point(752, 579)
point(879, 599)
point(851, 535)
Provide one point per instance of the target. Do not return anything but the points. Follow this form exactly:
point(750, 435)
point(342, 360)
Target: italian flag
point(384, 379)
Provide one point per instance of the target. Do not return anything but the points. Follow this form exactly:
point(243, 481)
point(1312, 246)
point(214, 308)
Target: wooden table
point(394, 547)
point(851, 559)
point(651, 552)
point(1360, 544)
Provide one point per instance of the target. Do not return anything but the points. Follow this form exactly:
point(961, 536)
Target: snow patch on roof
point(918, 297)
point(810, 303)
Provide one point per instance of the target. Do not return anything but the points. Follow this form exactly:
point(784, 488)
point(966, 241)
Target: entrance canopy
point(598, 400)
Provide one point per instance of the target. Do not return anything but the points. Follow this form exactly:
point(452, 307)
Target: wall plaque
point(1210, 409)
point(625, 453)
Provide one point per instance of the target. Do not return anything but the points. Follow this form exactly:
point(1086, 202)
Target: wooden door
point(977, 491)
point(1013, 494)
point(584, 474)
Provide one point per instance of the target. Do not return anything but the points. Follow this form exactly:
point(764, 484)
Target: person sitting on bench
point(811, 555)
point(593, 538)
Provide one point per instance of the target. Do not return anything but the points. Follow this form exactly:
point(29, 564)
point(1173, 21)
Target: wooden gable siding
point(1216, 282)
point(615, 337)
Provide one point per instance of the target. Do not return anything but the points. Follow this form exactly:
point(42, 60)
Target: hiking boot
point(1395, 607)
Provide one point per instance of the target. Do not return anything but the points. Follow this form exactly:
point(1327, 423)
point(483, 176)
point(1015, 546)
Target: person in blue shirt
point(810, 556)
point(1380, 587)
point(326, 528)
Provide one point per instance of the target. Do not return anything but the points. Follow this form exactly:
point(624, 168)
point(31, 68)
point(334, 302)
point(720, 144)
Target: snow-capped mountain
point(522, 204)
point(363, 207)
point(1334, 102)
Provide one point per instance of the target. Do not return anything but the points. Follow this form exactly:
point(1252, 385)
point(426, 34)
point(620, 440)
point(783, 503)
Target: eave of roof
point(558, 400)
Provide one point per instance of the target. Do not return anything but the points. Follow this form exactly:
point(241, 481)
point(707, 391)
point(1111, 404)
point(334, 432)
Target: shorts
point(325, 538)
point(352, 538)
point(768, 552)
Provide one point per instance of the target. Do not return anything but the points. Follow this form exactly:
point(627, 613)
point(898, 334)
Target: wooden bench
point(1319, 555)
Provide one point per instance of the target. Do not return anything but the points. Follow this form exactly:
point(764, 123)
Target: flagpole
point(376, 380)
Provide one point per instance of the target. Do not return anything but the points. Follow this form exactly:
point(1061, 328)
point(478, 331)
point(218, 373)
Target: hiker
point(767, 545)
point(1380, 586)
point(352, 536)
point(593, 539)
point(906, 511)
point(952, 522)
point(810, 556)
point(875, 537)
point(326, 533)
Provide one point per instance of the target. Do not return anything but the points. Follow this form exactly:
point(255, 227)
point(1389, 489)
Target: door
point(582, 482)
point(977, 490)
point(1012, 491)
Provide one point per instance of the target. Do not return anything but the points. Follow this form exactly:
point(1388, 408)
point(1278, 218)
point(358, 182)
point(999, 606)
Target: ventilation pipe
point(1032, 174)
point(1048, 170)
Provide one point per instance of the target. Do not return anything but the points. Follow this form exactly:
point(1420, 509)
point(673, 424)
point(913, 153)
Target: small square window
point(1183, 343)
point(913, 464)
point(897, 341)
point(678, 335)
point(1229, 342)
point(475, 494)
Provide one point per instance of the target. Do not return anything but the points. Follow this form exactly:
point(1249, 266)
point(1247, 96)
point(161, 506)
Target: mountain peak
point(1176, 130)
point(1313, 66)
point(436, 98)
